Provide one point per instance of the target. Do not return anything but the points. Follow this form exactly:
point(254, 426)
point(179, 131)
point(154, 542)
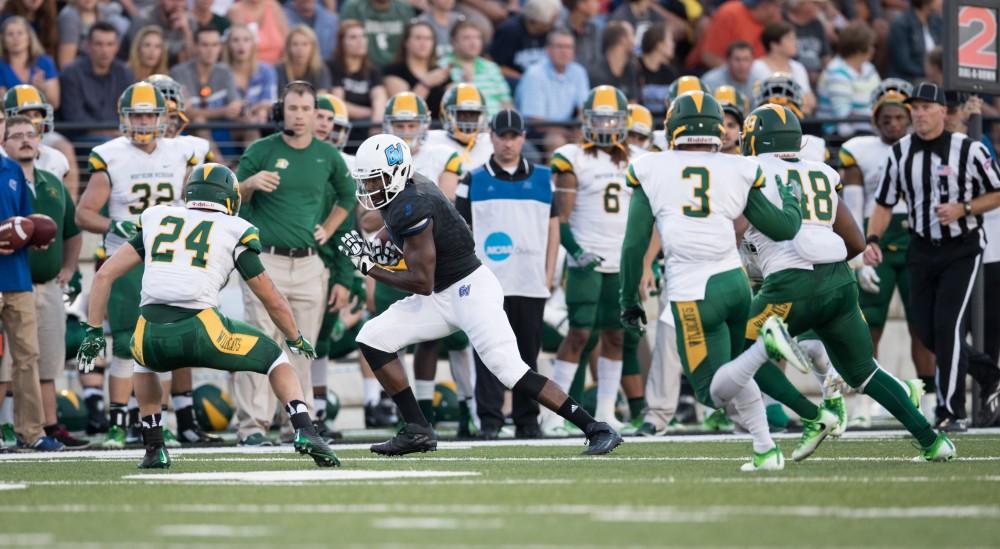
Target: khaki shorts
point(51, 316)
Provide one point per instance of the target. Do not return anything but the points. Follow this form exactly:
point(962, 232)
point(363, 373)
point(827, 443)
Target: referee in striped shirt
point(948, 182)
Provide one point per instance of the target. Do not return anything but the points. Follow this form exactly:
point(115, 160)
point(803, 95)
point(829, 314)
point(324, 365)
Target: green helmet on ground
point(695, 118)
point(771, 128)
point(213, 407)
point(213, 187)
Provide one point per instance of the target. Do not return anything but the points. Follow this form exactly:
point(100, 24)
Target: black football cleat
point(601, 439)
point(990, 409)
point(410, 439)
point(156, 458)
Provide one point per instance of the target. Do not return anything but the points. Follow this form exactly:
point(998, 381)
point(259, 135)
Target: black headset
point(278, 107)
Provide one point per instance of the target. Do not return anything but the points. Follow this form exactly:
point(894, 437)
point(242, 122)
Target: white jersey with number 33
point(695, 197)
point(189, 254)
point(140, 180)
point(815, 243)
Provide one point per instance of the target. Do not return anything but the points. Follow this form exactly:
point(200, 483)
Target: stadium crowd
point(68, 66)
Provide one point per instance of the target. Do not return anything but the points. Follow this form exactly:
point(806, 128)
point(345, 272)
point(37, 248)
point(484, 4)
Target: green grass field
point(676, 492)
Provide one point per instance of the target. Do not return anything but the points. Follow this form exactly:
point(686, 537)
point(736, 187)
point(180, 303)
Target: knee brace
point(531, 383)
point(376, 358)
point(121, 367)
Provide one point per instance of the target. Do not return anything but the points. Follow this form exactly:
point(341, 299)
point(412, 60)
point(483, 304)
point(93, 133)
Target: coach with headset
point(282, 179)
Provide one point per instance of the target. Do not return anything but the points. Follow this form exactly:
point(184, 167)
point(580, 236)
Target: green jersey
point(50, 197)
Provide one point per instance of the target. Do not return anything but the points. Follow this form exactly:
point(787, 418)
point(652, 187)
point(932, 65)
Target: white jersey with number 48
point(189, 254)
point(140, 180)
point(815, 243)
point(600, 205)
point(695, 197)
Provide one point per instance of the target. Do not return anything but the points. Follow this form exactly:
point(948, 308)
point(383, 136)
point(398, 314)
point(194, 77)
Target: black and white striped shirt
point(925, 174)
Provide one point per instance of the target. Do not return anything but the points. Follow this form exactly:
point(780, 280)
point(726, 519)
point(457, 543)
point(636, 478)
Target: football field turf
point(688, 491)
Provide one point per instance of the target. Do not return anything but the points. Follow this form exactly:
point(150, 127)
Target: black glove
point(634, 319)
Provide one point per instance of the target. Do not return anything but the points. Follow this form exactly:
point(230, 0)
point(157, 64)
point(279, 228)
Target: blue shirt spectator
point(44, 65)
point(15, 272)
point(321, 20)
point(263, 85)
point(555, 87)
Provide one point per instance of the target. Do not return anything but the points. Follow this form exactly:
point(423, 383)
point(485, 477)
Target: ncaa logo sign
point(394, 154)
point(498, 246)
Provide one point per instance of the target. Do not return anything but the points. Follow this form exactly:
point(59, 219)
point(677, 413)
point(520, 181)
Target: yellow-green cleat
point(718, 422)
point(115, 439)
point(941, 450)
point(771, 460)
point(781, 345)
point(314, 445)
point(170, 440)
point(838, 407)
point(814, 432)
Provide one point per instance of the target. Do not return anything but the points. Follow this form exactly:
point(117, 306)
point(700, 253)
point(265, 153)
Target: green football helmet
point(771, 128)
point(684, 85)
point(142, 98)
point(407, 107)
point(173, 94)
point(779, 89)
point(732, 101)
point(605, 117)
point(213, 187)
point(26, 99)
point(695, 118)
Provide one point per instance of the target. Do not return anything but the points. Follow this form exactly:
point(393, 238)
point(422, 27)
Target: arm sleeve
point(249, 265)
point(776, 224)
point(95, 163)
point(69, 216)
point(887, 192)
point(462, 203)
point(986, 173)
point(640, 226)
point(343, 184)
point(138, 243)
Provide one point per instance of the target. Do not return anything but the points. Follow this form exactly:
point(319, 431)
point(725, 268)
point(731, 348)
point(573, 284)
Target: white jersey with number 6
point(600, 205)
point(815, 243)
point(189, 254)
point(139, 179)
point(695, 197)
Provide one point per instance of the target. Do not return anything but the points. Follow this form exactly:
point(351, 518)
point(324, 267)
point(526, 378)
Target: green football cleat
point(781, 346)
point(942, 450)
point(717, 422)
point(813, 433)
point(115, 439)
point(169, 440)
point(9, 436)
point(839, 407)
point(915, 388)
point(631, 428)
point(315, 446)
point(771, 460)
point(156, 458)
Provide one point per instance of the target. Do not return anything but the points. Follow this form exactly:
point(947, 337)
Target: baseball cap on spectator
point(507, 121)
point(928, 91)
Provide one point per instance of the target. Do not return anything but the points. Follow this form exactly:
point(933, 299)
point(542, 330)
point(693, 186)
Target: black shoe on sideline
point(952, 425)
point(489, 432)
point(531, 431)
point(990, 409)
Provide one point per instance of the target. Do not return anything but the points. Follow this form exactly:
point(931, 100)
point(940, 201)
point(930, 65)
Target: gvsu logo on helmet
point(498, 246)
point(394, 154)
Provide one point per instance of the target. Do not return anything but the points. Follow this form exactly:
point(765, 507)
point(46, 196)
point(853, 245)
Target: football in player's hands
point(383, 251)
point(45, 230)
point(16, 232)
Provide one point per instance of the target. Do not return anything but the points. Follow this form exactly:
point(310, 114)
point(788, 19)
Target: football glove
point(634, 319)
point(385, 253)
point(587, 260)
point(358, 250)
point(92, 347)
point(301, 346)
point(124, 229)
point(868, 279)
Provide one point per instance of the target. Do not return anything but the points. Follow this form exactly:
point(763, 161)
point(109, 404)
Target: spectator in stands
point(148, 54)
point(810, 33)
point(415, 67)
point(617, 67)
point(582, 20)
point(519, 42)
point(735, 72)
point(256, 81)
point(492, 12)
point(467, 64)
point(846, 85)
point(781, 45)
point(177, 24)
point(267, 21)
point(24, 61)
point(203, 15)
point(41, 15)
point(913, 34)
point(315, 16)
point(555, 87)
point(655, 70)
point(301, 61)
point(75, 20)
point(96, 81)
point(356, 80)
point(735, 20)
point(208, 85)
point(934, 66)
point(441, 16)
point(383, 22)
point(638, 13)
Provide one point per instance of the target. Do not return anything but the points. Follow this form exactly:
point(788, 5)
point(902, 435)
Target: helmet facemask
point(340, 133)
point(142, 134)
point(411, 128)
point(605, 129)
point(465, 122)
point(377, 188)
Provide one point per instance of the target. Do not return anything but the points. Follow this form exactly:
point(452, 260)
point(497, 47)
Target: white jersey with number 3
point(189, 254)
point(815, 243)
point(140, 180)
point(695, 197)
point(600, 204)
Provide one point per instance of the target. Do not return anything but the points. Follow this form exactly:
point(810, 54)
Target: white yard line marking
point(255, 477)
point(722, 513)
point(436, 523)
point(212, 531)
point(5, 486)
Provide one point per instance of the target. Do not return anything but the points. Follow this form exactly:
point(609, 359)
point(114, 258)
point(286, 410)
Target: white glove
point(358, 250)
point(868, 279)
point(384, 253)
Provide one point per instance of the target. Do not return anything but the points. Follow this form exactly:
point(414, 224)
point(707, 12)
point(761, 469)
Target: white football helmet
point(382, 166)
